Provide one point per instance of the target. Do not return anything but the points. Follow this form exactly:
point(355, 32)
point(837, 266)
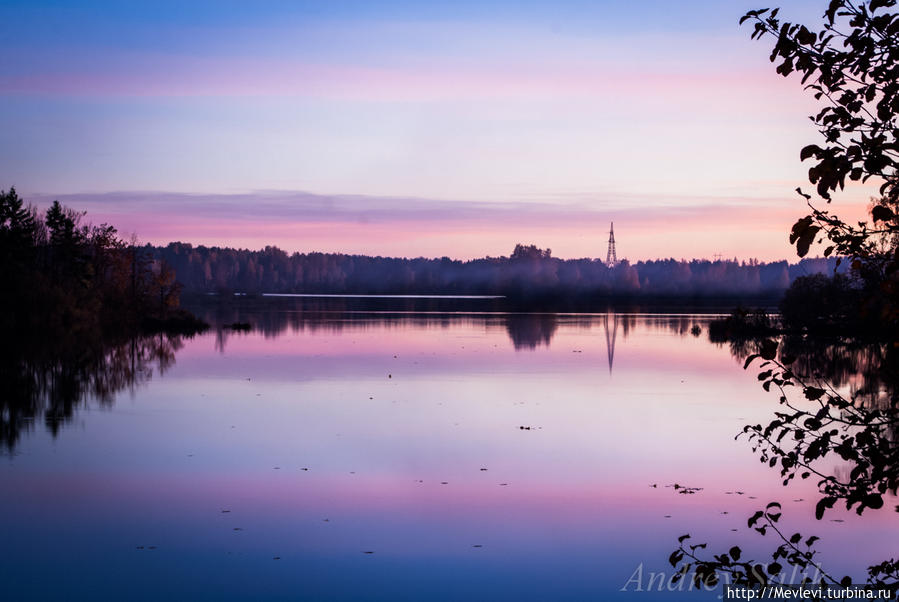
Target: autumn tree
point(851, 65)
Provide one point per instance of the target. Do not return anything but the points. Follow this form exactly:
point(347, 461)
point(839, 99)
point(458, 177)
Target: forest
point(527, 272)
point(64, 277)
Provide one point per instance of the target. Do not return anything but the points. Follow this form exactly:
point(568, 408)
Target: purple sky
point(401, 129)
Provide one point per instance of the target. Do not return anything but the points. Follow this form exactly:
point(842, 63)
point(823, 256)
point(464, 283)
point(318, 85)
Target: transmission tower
point(611, 258)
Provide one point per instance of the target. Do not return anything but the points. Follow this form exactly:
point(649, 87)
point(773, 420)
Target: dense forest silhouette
point(62, 276)
point(529, 272)
point(83, 314)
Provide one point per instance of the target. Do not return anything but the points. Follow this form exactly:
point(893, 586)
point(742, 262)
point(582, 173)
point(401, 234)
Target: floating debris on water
point(684, 489)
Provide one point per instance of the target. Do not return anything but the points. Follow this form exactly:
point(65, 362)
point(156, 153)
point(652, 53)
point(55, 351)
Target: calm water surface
point(361, 456)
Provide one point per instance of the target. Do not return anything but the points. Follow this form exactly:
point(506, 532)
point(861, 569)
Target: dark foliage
point(820, 303)
point(842, 435)
point(61, 276)
point(742, 323)
point(852, 66)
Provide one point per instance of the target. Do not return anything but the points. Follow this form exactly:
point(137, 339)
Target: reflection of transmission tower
point(611, 258)
point(610, 338)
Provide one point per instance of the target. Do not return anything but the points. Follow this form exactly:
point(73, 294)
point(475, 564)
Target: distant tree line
point(60, 275)
point(529, 271)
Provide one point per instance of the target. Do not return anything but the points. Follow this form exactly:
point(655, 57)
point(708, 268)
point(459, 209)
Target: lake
point(394, 453)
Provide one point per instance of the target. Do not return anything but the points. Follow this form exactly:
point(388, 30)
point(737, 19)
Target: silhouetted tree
point(852, 64)
point(62, 275)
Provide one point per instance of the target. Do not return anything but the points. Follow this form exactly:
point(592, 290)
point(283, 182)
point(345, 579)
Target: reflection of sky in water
point(382, 415)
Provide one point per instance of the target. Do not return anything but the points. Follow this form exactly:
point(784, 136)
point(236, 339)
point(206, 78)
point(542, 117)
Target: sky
point(411, 128)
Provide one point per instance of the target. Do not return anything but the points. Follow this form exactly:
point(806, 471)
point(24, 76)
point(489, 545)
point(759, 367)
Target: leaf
point(797, 537)
point(882, 214)
point(805, 240)
point(754, 518)
point(683, 538)
point(813, 393)
point(809, 151)
point(769, 349)
point(675, 557)
point(873, 501)
point(822, 505)
point(774, 568)
point(734, 553)
point(800, 226)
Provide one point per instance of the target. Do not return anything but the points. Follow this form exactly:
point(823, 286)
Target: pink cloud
point(741, 227)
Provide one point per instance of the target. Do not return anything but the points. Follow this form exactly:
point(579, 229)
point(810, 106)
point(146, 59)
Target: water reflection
point(610, 339)
point(837, 425)
point(528, 331)
point(866, 371)
point(50, 384)
point(320, 435)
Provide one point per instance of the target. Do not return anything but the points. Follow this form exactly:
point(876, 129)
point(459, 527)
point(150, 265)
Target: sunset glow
point(456, 131)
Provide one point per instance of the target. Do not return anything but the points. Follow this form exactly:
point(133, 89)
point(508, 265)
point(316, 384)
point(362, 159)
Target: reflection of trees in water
point(51, 383)
point(275, 316)
point(837, 424)
point(528, 331)
point(866, 371)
